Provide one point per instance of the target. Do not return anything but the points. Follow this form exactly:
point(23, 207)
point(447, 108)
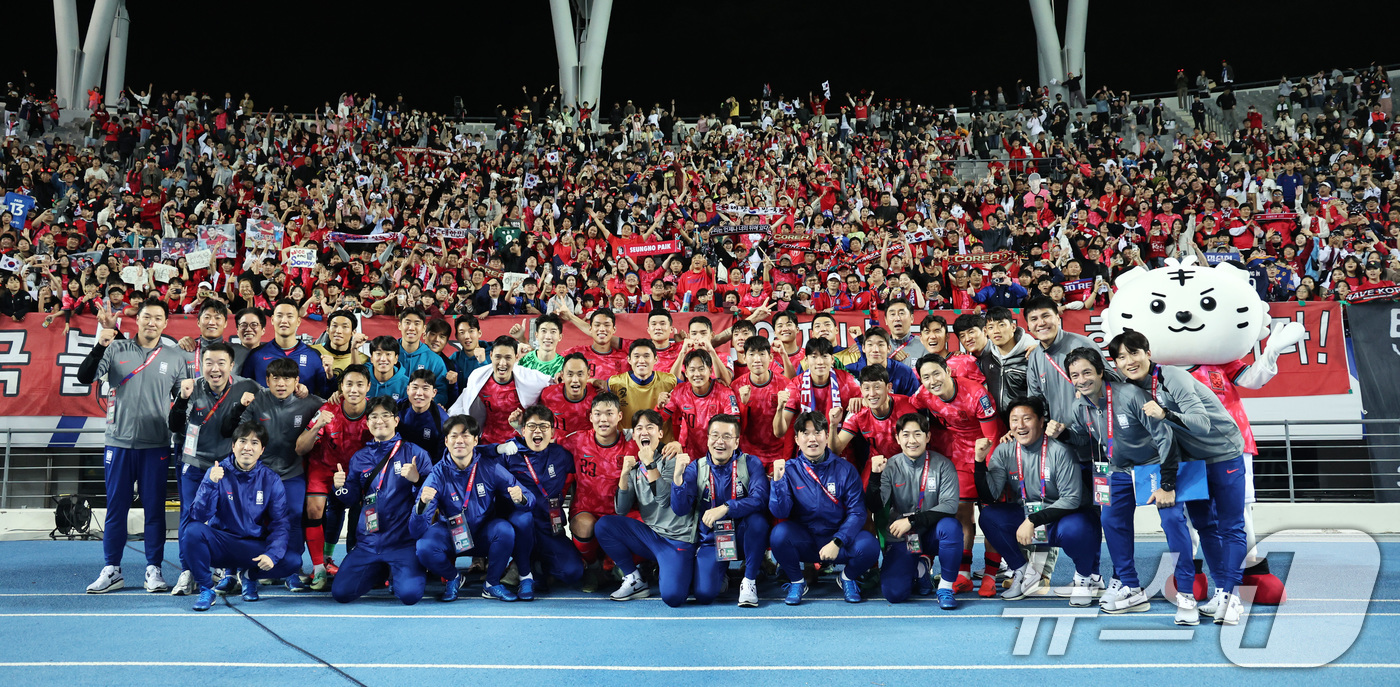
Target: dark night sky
point(303, 53)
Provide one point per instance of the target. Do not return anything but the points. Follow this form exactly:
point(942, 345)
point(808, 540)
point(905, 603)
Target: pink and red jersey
point(500, 400)
point(756, 419)
point(818, 398)
point(690, 414)
point(970, 416)
point(569, 416)
point(878, 430)
point(340, 438)
point(602, 365)
point(597, 469)
point(1221, 380)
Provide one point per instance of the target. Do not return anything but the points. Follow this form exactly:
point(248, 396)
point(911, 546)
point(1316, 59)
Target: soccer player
point(689, 407)
point(571, 399)
point(414, 355)
point(905, 347)
point(700, 337)
point(665, 533)
point(875, 350)
point(741, 333)
point(821, 387)
point(875, 421)
point(967, 414)
point(456, 512)
point(1137, 440)
point(763, 398)
point(342, 346)
point(338, 431)
point(789, 338)
point(933, 332)
point(1003, 362)
point(421, 419)
point(284, 415)
point(198, 415)
point(386, 378)
point(920, 487)
point(141, 372)
point(543, 468)
point(239, 518)
point(661, 329)
point(381, 478)
point(1033, 494)
point(1204, 431)
point(822, 506)
point(286, 319)
point(598, 454)
point(494, 394)
point(641, 387)
point(730, 490)
point(470, 353)
point(604, 360)
point(549, 329)
point(824, 326)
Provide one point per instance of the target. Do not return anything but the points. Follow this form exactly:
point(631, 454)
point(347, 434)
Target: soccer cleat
point(526, 590)
point(988, 588)
point(633, 587)
point(295, 583)
point(795, 592)
point(227, 584)
point(1186, 612)
point(1230, 610)
point(1084, 589)
point(962, 585)
point(250, 586)
point(850, 588)
point(946, 601)
point(1209, 607)
point(748, 593)
point(155, 581)
point(320, 581)
point(925, 578)
point(1132, 600)
point(207, 598)
point(1024, 582)
point(109, 579)
point(331, 568)
point(498, 591)
point(184, 584)
point(591, 573)
point(453, 586)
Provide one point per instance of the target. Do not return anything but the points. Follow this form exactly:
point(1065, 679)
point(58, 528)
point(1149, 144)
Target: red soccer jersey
point(341, 438)
point(818, 398)
point(1221, 380)
point(602, 365)
point(500, 401)
point(965, 366)
point(666, 357)
point(970, 416)
point(597, 469)
point(756, 419)
point(879, 430)
point(690, 414)
point(569, 416)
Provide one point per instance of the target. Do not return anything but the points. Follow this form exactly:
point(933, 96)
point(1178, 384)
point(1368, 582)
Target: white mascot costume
point(1206, 319)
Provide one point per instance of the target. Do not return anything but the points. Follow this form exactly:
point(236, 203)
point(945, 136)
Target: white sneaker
point(633, 587)
point(155, 582)
point(748, 593)
point(109, 579)
point(1085, 589)
point(1231, 608)
point(184, 585)
point(1132, 600)
point(1024, 582)
point(1210, 607)
point(1186, 613)
point(1113, 592)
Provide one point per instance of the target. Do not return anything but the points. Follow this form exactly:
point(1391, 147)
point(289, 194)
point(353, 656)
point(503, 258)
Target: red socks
point(993, 563)
point(588, 549)
point(316, 542)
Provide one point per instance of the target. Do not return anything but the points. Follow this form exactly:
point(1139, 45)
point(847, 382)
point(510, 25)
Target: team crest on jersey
point(296, 421)
point(986, 404)
point(398, 467)
point(480, 489)
point(1217, 380)
point(550, 468)
point(302, 362)
point(164, 367)
point(738, 489)
point(258, 500)
point(427, 432)
point(831, 488)
point(1123, 420)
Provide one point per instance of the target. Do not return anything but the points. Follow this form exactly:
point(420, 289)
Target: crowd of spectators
point(809, 203)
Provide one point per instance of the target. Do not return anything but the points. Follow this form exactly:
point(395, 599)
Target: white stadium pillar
point(566, 45)
point(116, 55)
point(65, 25)
point(592, 47)
point(1047, 38)
point(95, 49)
point(1076, 27)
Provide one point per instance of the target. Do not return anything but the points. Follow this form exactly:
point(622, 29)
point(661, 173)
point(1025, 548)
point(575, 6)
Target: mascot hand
point(1284, 334)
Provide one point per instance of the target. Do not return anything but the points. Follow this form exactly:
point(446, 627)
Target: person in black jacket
point(15, 302)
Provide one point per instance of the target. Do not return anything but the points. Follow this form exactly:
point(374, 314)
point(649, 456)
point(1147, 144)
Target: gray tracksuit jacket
point(1201, 425)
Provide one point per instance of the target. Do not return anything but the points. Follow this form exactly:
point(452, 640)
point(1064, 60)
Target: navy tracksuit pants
point(536, 543)
point(362, 571)
point(750, 541)
point(1118, 533)
point(123, 471)
point(900, 569)
point(793, 544)
point(204, 547)
point(1220, 522)
point(622, 538)
point(494, 539)
point(1076, 533)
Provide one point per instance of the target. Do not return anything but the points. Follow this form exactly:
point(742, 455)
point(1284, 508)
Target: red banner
point(39, 366)
point(641, 250)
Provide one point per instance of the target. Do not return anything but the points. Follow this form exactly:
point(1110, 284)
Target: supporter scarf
point(342, 237)
point(808, 401)
point(1374, 293)
point(733, 208)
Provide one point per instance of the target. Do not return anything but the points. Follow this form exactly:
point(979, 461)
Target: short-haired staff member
point(1033, 494)
point(1109, 421)
point(382, 478)
point(920, 487)
point(544, 468)
point(141, 373)
point(456, 513)
point(239, 519)
point(820, 496)
point(730, 489)
point(666, 533)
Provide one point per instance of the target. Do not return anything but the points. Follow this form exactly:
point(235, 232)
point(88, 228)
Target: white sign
point(199, 259)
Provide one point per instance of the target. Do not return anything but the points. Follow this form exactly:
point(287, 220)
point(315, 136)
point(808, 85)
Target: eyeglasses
point(538, 426)
point(383, 416)
point(724, 437)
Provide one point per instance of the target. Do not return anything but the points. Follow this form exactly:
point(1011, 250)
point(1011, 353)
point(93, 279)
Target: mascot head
point(1190, 314)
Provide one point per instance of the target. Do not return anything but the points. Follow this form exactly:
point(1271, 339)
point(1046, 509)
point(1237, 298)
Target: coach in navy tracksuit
point(821, 497)
point(239, 519)
point(543, 468)
point(468, 484)
point(382, 477)
point(742, 488)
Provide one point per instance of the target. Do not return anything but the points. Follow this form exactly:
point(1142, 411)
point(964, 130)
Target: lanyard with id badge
point(556, 505)
point(926, 484)
point(461, 534)
point(192, 429)
point(1102, 468)
point(1040, 536)
point(112, 399)
point(726, 545)
point(372, 498)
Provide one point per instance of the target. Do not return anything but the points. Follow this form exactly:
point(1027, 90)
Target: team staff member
point(415, 355)
point(239, 518)
point(213, 319)
point(875, 352)
point(1136, 439)
point(763, 398)
point(494, 393)
point(1003, 361)
point(905, 347)
point(1034, 482)
point(284, 415)
point(824, 509)
point(1047, 375)
point(197, 416)
point(382, 478)
point(689, 407)
point(286, 320)
point(456, 512)
point(543, 468)
point(422, 419)
point(337, 433)
point(598, 456)
point(641, 387)
point(730, 490)
point(572, 398)
point(386, 378)
point(141, 373)
point(1204, 430)
point(666, 532)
